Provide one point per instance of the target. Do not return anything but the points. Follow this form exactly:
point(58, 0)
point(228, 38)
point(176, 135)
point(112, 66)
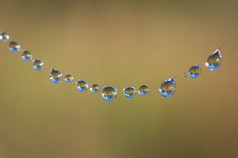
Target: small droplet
point(26, 55)
point(129, 92)
point(4, 36)
point(94, 88)
point(168, 87)
point(68, 78)
point(214, 61)
point(109, 93)
point(37, 64)
point(194, 71)
point(14, 46)
point(144, 90)
point(56, 76)
point(185, 75)
point(82, 85)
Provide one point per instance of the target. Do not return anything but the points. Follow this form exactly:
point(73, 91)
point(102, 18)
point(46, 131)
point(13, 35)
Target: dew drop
point(95, 88)
point(68, 78)
point(144, 90)
point(37, 64)
point(194, 71)
point(168, 87)
point(185, 75)
point(214, 61)
point(129, 92)
point(14, 46)
point(56, 76)
point(82, 85)
point(26, 55)
point(4, 36)
point(109, 93)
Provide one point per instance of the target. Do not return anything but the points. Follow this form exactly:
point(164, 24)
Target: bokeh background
point(119, 43)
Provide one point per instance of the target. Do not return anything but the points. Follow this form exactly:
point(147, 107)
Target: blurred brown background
point(119, 43)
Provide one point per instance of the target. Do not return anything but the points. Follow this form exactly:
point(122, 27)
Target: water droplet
point(185, 75)
point(129, 92)
point(4, 36)
point(14, 46)
point(109, 93)
point(82, 85)
point(214, 61)
point(56, 76)
point(94, 88)
point(68, 78)
point(144, 90)
point(168, 87)
point(194, 71)
point(37, 64)
point(26, 55)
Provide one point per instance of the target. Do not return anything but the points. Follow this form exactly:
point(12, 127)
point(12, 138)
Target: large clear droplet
point(82, 85)
point(68, 78)
point(4, 36)
point(194, 71)
point(109, 93)
point(129, 92)
point(144, 90)
point(214, 61)
point(37, 64)
point(168, 87)
point(14, 46)
point(56, 76)
point(95, 88)
point(26, 55)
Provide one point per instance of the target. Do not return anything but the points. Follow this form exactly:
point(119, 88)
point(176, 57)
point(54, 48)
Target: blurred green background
point(119, 43)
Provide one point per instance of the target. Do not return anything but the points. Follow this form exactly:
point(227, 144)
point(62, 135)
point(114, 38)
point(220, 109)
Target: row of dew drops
point(167, 87)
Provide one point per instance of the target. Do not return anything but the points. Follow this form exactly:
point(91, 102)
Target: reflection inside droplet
point(214, 61)
point(37, 64)
point(26, 55)
point(194, 71)
point(68, 78)
point(4, 36)
point(56, 76)
point(94, 88)
point(82, 85)
point(168, 87)
point(109, 93)
point(129, 92)
point(14, 46)
point(144, 90)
